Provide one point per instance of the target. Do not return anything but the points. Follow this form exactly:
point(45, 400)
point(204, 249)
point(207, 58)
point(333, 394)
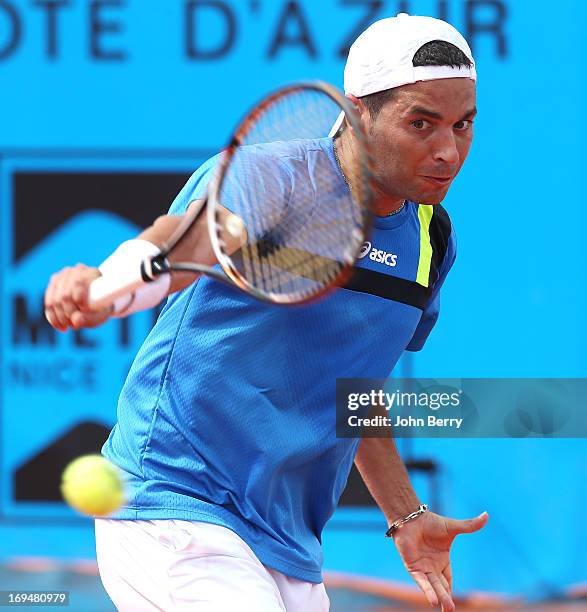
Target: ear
point(361, 109)
point(357, 103)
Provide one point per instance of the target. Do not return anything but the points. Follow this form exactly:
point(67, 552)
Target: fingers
point(55, 305)
point(447, 573)
point(437, 589)
point(88, 320)
point(441, 592)
point(66, 299)
point(79, 293)
point(423, 582)
point(444, 583)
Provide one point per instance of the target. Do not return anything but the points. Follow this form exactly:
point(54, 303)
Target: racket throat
point(153, 268)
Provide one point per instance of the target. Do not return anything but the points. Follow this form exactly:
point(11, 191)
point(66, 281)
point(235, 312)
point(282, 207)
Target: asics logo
point(364, 250)
point(377, 255)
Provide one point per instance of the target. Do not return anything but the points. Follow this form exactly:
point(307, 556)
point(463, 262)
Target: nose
point(446, 150)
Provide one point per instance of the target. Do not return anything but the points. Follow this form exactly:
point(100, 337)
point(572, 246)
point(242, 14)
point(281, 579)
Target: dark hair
point(434, 53)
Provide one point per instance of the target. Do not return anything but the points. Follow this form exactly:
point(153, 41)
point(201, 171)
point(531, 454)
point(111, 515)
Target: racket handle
point(123, 273)
point(105, 290)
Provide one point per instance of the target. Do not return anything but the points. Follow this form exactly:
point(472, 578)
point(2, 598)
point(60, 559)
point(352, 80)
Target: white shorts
point(189, 565)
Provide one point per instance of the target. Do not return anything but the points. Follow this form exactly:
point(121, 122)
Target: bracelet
point(397, 524)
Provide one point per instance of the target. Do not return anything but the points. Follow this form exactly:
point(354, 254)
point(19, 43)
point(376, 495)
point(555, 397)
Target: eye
point(464, 125)
point(420, 124)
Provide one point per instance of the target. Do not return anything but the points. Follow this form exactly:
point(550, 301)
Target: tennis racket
point(283, 243)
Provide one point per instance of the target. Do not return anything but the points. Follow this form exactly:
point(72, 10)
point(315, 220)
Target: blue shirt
point(228, 412)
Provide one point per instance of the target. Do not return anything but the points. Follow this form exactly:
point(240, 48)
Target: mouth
point(441, 181)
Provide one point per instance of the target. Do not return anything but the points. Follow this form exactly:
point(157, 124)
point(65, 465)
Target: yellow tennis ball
point(92, 485)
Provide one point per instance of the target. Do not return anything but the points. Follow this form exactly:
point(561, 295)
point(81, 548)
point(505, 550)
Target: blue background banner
point(108, 106)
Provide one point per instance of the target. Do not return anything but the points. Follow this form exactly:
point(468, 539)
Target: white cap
point(382, 57)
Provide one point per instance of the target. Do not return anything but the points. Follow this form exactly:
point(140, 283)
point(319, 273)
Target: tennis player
point(226, 423)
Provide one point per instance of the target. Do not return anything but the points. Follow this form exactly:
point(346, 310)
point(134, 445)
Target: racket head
point(295, 247)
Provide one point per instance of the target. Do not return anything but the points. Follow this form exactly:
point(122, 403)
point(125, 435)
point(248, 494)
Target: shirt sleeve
point(195, 188)
point(432, 310)
point(256, 187)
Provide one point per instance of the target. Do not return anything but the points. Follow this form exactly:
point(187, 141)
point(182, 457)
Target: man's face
point(421, 138)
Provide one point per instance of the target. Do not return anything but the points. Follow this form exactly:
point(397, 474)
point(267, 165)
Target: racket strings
point(311, 265)
point(300, 235)
point(317, 255)
point(285, 267)
point(277, 268)
point(283, 261)
point(331, 230)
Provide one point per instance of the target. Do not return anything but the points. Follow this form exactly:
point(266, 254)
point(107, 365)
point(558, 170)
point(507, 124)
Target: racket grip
point(123, 273)
point(105, 290)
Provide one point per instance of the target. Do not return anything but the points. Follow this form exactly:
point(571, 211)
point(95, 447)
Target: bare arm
point(196, 246)
point(386, 477)
point(66, 296)
point(423, 543)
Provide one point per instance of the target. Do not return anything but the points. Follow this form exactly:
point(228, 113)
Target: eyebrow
point(419, 110)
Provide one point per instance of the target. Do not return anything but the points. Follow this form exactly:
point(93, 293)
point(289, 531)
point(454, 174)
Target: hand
point(424, 545)
point(66, 299)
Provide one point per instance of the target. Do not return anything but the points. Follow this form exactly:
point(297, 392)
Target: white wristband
point(129, 256)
